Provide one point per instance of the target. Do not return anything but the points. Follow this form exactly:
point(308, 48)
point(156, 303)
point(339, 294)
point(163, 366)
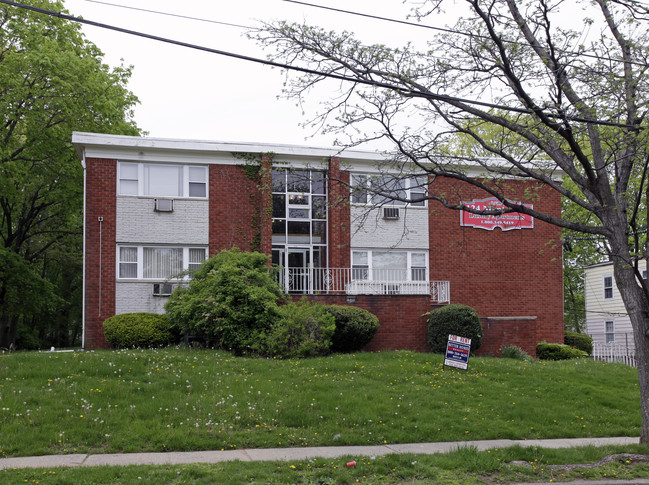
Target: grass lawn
point(180, 399)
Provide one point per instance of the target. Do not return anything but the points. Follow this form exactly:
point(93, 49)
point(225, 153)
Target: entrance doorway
point(294, 266)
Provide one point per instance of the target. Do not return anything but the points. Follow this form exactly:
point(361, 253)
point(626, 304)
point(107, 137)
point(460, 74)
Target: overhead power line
point(158, 12)
point(452, 31)
point(370, 16)
point(369, 82)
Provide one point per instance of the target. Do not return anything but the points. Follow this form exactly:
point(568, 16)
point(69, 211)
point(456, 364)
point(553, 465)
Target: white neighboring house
point(607, 321)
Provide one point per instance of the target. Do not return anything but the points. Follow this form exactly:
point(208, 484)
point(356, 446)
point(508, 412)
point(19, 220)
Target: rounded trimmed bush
point(304, 329)
point(460, 320)
point(138, 330)
point(355, 327)
point(579, 341)
point(548, 351)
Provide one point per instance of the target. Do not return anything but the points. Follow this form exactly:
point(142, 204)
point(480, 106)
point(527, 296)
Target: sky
point(189, 94)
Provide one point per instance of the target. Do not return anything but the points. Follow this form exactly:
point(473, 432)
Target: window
point(157, 262)
point(162, 263)
point(418, 191)
point(196, 258)
point(128, 178)
point(299, 207)
point(127, 262)
point(610, 331)
point(608, 287)
point(418, 266)
point(366, 189)
point(197, 182)
point(360, 265)
point(359, 190)
point(389, 265)
point(162, 180)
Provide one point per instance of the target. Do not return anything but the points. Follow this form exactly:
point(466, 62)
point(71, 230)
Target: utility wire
point(408, 92)
point(375, 17)
point(170, 14)
point(453, 31)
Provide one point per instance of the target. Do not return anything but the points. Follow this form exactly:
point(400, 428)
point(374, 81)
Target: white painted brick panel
point(131, 297)
point(370, 230)
point(138, 222)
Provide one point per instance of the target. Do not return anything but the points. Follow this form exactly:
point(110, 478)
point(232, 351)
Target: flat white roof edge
point(205, 146)
point(101, 142)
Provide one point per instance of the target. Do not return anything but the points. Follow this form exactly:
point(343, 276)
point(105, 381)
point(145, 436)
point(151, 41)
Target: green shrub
point(355, 328)
point(27, 338)
point(138, 330)
point(514, 352)
point(303, 330)
point(459, 320)
point(230, 301)
point(547, 351)
point(578, 340)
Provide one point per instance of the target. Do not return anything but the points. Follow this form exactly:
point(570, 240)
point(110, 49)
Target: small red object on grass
point(351, 463)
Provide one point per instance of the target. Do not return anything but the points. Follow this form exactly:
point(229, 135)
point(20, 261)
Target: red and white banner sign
point(507, 221)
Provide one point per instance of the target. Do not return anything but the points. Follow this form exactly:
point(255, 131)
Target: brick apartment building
point(155, 207)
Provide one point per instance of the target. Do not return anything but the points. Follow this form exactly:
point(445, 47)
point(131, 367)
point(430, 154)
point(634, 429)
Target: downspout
point(83, 282)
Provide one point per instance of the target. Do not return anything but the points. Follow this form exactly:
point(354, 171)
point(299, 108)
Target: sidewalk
point(286, 454)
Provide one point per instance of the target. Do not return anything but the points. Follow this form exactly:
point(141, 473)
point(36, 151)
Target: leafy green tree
point(52, 82)
point(566, 102)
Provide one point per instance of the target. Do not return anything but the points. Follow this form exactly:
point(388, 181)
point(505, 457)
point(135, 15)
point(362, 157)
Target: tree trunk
point(636, 303)
point(8, 328)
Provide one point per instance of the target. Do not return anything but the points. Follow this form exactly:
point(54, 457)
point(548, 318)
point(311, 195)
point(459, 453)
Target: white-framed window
point(150, 262)
point(127, 262)
point(366, 189)
point(418, 266)
point(162, 180)
point(608, 287)
point(389, 265)
point(609, 327)
point(360, 265)
point(128, 179)
point(196, 258)
point(299, 207)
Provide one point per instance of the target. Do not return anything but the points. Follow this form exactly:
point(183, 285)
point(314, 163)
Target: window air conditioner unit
point(162, 289)
point(164, 205)
point(390, 213)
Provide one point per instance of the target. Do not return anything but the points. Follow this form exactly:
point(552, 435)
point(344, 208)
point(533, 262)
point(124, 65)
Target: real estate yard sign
point(457, 352)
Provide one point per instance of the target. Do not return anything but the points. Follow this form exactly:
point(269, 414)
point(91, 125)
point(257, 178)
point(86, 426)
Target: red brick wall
point(101, 183)
point(403, 325)
point(235, 210)
point(339, 217)
point(515, 273)
point(498, 332)
point(508, 274)
point(265, 206)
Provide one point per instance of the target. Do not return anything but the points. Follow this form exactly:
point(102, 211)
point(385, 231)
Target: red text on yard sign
point(506, 221)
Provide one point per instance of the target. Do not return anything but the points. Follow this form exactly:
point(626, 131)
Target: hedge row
point(302, 329)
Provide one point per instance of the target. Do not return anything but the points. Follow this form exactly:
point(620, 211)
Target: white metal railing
point(354, 281)
point(614, 353)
